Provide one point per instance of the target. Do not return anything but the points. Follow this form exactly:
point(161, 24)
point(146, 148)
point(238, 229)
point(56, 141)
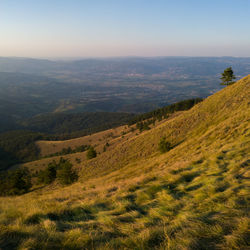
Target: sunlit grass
point(195, 196)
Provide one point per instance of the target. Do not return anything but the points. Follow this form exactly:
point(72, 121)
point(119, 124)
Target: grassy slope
point(131, 197)
point(113, 137)
point(96, 139)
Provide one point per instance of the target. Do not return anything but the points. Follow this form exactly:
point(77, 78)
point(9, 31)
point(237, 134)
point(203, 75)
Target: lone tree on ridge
point(227, 77)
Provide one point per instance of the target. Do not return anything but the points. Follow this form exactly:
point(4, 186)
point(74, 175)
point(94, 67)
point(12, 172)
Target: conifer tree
point(65, 174)
point(227, 77)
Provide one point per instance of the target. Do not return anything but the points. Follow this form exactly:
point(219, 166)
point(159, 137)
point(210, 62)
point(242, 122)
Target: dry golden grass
point(113, 137)
point(195, 196)
point(51, 147)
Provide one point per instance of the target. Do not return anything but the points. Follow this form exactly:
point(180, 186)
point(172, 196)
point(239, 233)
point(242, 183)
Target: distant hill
point(31, 87)
point(66, 125)
point(188, 66)
point(132, 196)
point(18, 144)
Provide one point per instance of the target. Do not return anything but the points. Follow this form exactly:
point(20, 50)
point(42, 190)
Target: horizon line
point(69, 58)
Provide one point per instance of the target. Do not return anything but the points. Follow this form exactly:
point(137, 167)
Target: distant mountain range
point(31, 87)
point(169, 67)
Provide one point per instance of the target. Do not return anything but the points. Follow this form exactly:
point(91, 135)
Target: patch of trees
point(67, 126)
point(48, 175)
point(69, 150)
point(62, 171)
point(144, 125)
point(15, 182)
point(163, 112)
point(18, 182)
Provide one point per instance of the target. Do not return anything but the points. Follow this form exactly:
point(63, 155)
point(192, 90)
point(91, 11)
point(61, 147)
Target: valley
point(132, 196)
point(30, 88)
point(124, 125)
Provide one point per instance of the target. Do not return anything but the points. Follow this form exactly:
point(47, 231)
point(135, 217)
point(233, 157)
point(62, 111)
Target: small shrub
point(132, 129)
point(164, 146)
point(78, 160)
point(49, 174)
point(91, 153)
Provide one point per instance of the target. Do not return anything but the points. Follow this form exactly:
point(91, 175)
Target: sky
point(113, 28)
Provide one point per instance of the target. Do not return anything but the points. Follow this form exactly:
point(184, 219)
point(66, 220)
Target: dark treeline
point(69, 150)
point(70, 125)
point(158, 114)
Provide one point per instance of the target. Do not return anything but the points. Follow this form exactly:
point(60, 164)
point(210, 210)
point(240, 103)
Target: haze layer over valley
point(31, 87)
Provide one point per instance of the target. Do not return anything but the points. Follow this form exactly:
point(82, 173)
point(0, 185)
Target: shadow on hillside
point(7, 159)
point(194, 187)
point(11, 239)
point(68, 215)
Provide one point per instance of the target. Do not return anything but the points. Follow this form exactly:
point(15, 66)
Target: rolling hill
point(131, 196)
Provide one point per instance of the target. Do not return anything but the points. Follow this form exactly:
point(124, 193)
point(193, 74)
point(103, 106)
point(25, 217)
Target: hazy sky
point(84, 28)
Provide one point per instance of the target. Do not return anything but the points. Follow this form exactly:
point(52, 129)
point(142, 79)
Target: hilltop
point(131, 196)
